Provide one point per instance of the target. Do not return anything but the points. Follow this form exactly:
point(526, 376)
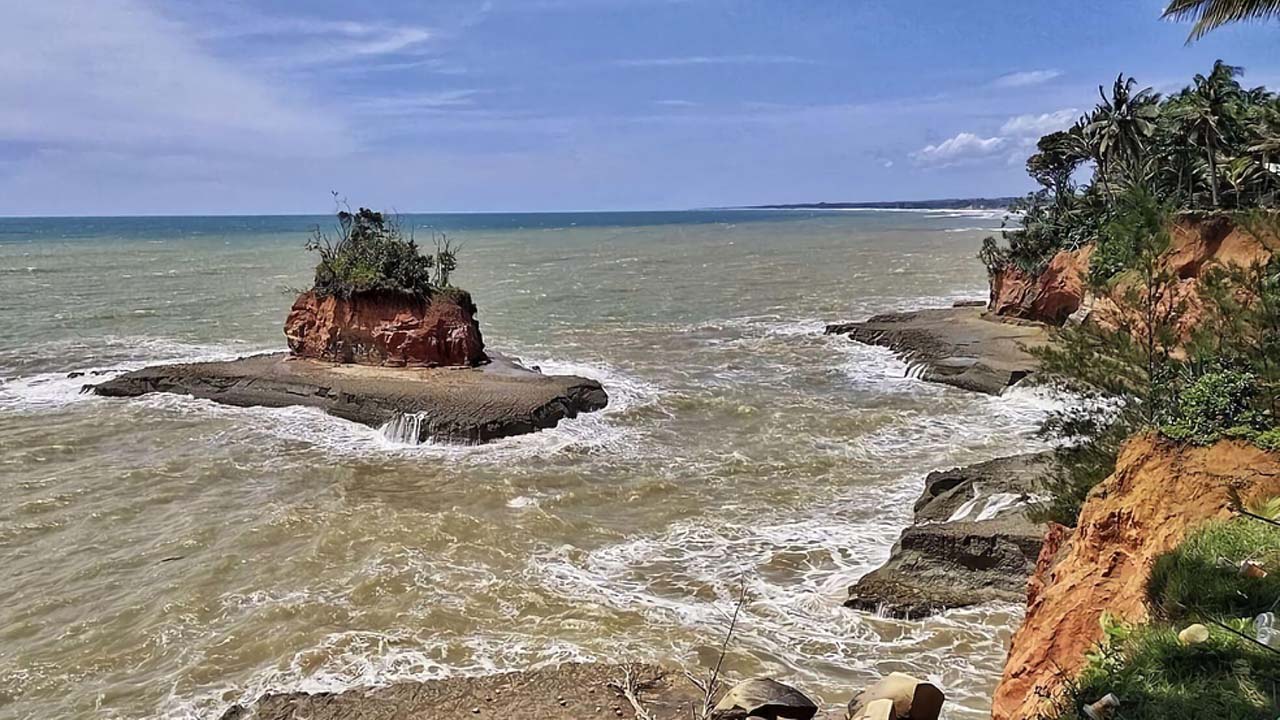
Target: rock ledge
point(470, 405)
point(958, 346)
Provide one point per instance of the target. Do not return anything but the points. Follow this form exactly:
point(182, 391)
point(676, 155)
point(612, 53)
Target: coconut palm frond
point(1212, 14)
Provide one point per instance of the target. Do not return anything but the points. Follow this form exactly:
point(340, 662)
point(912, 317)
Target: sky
point(129, 107)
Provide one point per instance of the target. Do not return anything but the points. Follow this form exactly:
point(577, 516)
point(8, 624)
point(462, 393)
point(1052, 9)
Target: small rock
point(1193, 634)
point(912, 699)
point(764, 698)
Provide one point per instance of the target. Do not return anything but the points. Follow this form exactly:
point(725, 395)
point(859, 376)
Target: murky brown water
point(165, 557)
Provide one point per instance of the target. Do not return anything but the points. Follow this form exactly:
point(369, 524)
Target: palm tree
point(1242, 173)
point(1212, 14)
point(1206, 109)
point(1120, 124)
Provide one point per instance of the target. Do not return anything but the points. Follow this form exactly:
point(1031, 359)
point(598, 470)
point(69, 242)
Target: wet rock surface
point(958, 346)
point(971, 542)
point(497, 399)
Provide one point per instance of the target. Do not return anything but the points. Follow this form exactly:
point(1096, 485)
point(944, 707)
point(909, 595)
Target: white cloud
point(300, 40)
point(965, 146)
point(715, 60)
point(1015, 139)
point(1034, 126)
point(1026, 78)
point(119, 77)
point(419, 103)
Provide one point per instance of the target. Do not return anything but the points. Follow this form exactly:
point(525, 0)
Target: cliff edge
point(1159, 492)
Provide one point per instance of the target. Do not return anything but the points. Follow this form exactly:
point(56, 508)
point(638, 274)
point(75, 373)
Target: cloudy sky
point(238, 106)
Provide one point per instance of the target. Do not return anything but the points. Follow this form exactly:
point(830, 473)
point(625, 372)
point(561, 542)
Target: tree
point(1213, 14)
point(1058, 156)
point(1120, 125)
point(1207, 111)
point(1119, 360)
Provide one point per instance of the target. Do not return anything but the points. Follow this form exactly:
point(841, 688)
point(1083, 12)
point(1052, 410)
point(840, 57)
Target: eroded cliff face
point(1158, 493)
point(1198, 242)
point(388, 329)
point(1050, 297)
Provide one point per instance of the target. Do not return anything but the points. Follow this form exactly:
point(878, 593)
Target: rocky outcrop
point(568, 692)
point(959, 346)
point(971, 542)
point(1158, 493)
point(471, 405)
point(386, 328)
point(1197, 241)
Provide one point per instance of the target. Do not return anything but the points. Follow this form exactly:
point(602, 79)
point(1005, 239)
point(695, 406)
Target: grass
point(1201, 578)
point(1158, 678)
point(1228, 677)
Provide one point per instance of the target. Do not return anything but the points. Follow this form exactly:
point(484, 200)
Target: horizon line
point(801, 205)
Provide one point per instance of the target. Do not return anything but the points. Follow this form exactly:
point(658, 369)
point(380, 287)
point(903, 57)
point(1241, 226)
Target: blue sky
point(226, 106)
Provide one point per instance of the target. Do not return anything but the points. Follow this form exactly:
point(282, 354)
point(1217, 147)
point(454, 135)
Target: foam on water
point(365, 659)
point(404, 429)
point(111, 357)
point(811, 448)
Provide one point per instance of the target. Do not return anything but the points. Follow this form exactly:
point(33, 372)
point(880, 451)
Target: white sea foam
point(986, 229)
point(992, 505)
point(358, 658)
point(114, 356)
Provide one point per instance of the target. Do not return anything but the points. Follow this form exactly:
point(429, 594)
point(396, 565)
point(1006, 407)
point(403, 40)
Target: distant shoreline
point(997, 203)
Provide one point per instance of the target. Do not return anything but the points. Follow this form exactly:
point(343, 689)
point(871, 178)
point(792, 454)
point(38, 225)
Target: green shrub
point(1269, 440)
point(1212, 406)
point(373, 253)
point(1201, 578)
point(1158, 678)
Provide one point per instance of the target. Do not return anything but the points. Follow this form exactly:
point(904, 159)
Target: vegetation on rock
point(372, 252)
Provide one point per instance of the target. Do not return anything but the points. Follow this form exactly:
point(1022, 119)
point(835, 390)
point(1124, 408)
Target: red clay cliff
point(1060, 290)
point(1158, 493)
point(387, 329)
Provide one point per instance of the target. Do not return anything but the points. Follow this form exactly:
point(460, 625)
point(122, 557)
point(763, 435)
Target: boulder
point(386, 328)
point(1158, 493)
point(877, 710)
point(908, 698)
point(764, 698)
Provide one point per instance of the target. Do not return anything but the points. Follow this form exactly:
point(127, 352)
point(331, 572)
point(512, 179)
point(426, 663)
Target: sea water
point(167, 557)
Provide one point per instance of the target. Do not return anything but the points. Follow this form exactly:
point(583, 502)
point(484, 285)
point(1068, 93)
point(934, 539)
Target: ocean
point(166, 557)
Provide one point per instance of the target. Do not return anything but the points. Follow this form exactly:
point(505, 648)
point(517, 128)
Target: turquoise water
point(165, 557)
